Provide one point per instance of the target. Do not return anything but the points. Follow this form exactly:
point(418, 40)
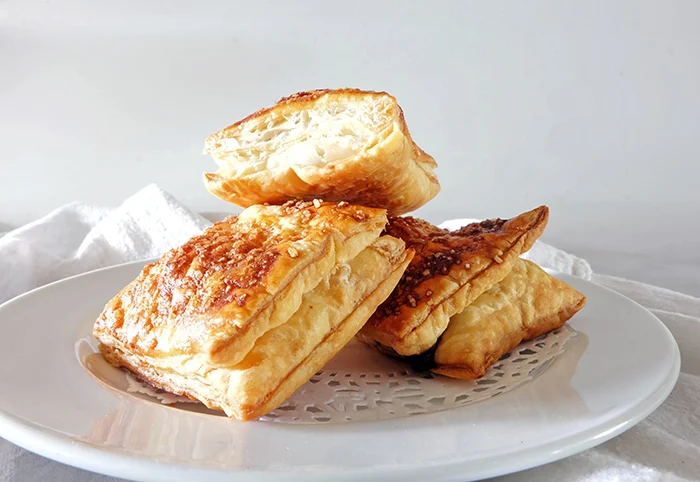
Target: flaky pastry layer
point(449, 271)
point(339, 145)
point(211, 298)
point(524, 305)
point(286, 356)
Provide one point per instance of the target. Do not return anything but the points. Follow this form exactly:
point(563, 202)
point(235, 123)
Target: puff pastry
point(339, 145)
point(526, 304)
point(242, 315)
point(449, 271)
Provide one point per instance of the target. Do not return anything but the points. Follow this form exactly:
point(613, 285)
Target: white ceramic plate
point(621, 365)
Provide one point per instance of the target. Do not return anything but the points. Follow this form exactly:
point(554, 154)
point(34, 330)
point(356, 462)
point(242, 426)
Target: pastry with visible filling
point(526, 304)
point(339, 145)
point(448, 272)
point(242, 315)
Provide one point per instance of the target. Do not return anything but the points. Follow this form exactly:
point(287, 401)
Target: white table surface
point(590, 107)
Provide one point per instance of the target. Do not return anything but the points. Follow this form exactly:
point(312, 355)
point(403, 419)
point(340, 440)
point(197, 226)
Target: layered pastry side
point(242, 315)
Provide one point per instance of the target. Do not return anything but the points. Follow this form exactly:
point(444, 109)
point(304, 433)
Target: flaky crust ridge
point(450, 269)
point(527, 303)
point(204, 295)
point(392, 172)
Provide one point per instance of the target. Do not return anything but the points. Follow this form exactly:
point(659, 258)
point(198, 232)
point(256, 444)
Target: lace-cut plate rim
point(383, 388)
point(351, 396)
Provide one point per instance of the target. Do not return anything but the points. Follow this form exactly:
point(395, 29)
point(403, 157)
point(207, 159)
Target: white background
point(590, 107)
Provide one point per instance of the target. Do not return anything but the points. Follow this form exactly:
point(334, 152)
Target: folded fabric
point(79, 237)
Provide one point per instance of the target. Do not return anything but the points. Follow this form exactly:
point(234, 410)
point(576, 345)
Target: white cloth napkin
point(78, 238)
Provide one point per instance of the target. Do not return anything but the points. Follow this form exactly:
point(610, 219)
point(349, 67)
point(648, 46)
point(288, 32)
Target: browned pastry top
point(440, 252)
point(209, 289)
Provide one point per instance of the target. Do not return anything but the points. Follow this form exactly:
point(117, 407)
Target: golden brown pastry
point(449, 271)
point(524, 305)
point(329, 317)
point(339, 145)
point(242, 315)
